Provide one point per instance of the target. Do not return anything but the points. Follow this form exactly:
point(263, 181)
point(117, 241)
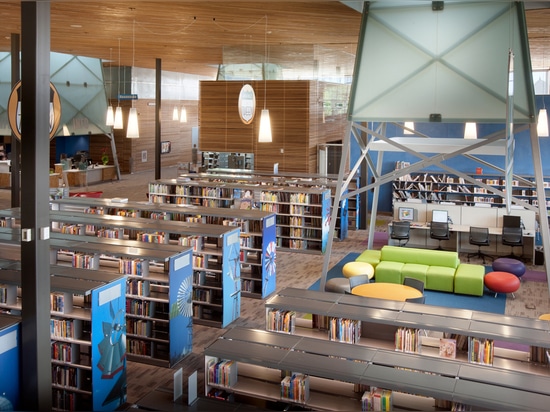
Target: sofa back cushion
point(420, 256)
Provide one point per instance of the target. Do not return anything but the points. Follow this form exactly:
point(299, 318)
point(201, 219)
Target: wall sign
point(247, 104)
point(14, 110)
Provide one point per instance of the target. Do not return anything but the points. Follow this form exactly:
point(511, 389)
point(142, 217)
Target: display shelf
point(434, 187)
point(257, 237)
point(88, 338)
point(216, 257)
point(400, 372)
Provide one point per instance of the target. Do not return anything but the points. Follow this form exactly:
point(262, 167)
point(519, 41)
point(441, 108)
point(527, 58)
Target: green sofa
point(439, 270)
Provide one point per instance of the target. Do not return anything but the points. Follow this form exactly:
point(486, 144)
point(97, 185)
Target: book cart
point(88, 335)
point(497, 377)
point(257, 236)
point(303, 213)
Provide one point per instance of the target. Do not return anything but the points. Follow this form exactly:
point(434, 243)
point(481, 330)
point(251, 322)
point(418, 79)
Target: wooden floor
point(293, 270)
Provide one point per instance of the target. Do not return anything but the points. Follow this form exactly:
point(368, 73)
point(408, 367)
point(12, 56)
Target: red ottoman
point(501, 282)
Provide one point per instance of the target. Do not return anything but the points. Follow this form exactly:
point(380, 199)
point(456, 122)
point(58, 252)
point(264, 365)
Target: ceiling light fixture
point(118, 123)
point(265, 122)
point(409, 128)
point(183, 116)
point(110, 121)
point(132, 131)
point(470, 130)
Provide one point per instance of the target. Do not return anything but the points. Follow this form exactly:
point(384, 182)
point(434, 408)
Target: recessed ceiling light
point(76, 26)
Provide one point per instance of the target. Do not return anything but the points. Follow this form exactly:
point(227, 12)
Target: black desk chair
point(513, 236)
point(400, 231)
point(479, 236)
point(439, 231)
point(414, 283)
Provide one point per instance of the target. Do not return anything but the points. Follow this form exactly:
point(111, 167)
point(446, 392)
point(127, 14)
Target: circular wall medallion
point(247, 104)
point(14, 110)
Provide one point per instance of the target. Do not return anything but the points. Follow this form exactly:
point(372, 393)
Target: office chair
point(358, 280)
point(421, 299)
point(479, 236)
point(414, 283)
point(400, 230)
point(439, 231)
point(513, 236)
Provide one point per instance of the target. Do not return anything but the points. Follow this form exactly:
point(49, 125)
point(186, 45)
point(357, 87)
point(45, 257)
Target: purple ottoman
point(509, 265)
point(501, 282)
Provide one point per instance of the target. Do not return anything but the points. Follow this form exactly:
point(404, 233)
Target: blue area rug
point(485, 303)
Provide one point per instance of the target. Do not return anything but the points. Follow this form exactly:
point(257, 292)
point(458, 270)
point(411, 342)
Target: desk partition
point(462, 217)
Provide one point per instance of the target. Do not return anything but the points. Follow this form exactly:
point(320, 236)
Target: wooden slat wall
point(295, 108)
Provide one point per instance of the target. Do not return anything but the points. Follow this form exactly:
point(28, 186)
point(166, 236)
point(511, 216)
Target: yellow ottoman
point(355, 268)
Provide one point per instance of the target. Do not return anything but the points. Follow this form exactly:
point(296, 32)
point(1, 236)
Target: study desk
point(459, 240)
point(389, 291)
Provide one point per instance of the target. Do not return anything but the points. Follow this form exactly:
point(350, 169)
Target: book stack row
point(222, 373)
point(377, 400)
point(61, 328)
point(344, 330)
point(138, 287)
point(136, 267)
point(407, 340)
point(64, 352)
point(281, 320)
point(295, 387)
point(480, 351)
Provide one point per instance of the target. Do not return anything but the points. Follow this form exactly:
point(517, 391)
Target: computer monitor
point(439, 216)
point(511, 221)
point(406, 213)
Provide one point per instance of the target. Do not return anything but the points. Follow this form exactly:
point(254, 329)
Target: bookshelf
point(87, 325)
point(303, 213)
point(158, 287)
point(257, 236)
point(348, 208)
point(216, 257)
point(381, 319)
point(336, 369)
point(434, 187)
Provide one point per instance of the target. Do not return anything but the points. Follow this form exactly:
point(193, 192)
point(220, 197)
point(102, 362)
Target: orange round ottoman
point(501, 282)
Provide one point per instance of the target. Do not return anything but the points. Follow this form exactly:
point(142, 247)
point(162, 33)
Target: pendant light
point(118, 123)
point(409, 128)
point(110, 120)
point(175, 113)
point(542, 123)
point(470, 130)
point(132, 131)
point(265, 122)
point(183, 116)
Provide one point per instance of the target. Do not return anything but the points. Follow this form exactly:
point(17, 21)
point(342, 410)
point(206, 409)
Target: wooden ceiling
point(196, 36)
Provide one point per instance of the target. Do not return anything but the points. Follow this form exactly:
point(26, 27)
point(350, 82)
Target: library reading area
point(377, 244)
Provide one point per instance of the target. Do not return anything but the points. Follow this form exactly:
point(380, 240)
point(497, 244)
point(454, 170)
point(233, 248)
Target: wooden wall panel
point(295, 109)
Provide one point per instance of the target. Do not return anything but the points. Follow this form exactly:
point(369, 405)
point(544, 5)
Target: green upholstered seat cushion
point(469, 279)
point(369, 256)
point(389, 272)
point(414, 270)
point(440, 278)
point(420, 256)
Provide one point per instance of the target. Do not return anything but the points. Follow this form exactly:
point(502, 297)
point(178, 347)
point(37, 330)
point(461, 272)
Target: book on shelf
point(447, 348)
point(480, 350)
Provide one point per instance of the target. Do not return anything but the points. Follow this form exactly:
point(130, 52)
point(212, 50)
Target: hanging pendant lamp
point(542, 124)
point(175, 113)
point(110, 119)
point(470, 130)
point(132, 131)
point(183, 117)
point(118, 122)
point(265, 122)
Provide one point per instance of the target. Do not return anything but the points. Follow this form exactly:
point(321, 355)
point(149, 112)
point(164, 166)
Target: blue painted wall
point(70, 145)
point(523, 158)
